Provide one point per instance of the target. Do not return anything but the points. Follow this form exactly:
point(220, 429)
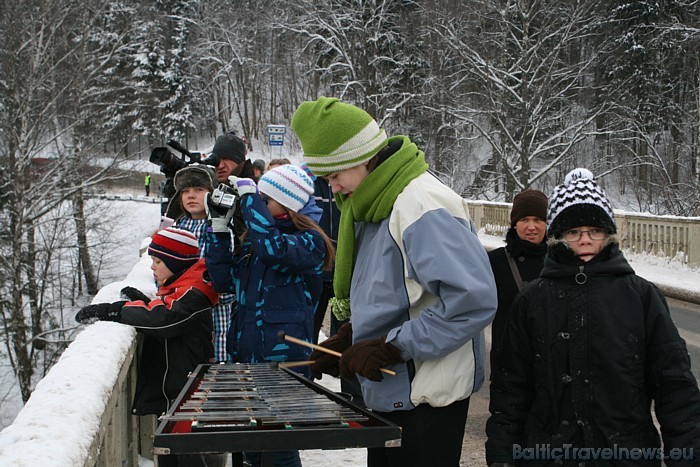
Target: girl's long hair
point(302, 222)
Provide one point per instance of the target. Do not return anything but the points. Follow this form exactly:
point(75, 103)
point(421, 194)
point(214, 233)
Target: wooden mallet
point(281, 336)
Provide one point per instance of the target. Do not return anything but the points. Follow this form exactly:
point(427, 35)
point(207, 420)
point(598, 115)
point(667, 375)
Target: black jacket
point(529, 258)
point(178, 336)
point(587, 348)
point(330, 217)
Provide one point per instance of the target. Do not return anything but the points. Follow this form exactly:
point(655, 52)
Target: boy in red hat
point(177, 324)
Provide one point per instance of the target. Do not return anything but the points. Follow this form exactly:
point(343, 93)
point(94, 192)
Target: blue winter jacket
point(277, 279)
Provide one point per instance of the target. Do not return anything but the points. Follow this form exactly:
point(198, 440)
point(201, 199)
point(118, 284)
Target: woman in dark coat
point(521, 260)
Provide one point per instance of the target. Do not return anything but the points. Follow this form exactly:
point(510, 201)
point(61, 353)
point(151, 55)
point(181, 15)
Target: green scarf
point(372, 201)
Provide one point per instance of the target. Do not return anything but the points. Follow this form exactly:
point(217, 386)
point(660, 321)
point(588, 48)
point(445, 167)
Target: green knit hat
point(336, 136)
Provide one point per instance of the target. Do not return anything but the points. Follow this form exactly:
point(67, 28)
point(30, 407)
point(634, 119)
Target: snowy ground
point(16, 441)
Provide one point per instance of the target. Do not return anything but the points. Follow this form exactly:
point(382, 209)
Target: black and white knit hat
point(577, 202)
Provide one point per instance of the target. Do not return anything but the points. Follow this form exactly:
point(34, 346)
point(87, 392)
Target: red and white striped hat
point(177, 248)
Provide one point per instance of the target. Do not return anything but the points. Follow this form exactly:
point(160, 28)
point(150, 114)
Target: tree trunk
point(18, 324)
point(83, 250)
point(33, 287)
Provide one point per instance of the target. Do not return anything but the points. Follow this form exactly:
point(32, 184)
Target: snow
point(56, 426)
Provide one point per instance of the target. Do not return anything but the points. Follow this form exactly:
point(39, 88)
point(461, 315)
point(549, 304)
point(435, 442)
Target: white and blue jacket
point(423, 279)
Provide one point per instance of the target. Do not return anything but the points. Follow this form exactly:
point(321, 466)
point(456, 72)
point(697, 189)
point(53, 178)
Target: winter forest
point(500, 94)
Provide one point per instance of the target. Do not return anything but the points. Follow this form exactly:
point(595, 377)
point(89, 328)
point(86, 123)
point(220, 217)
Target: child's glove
point(133, 294)
point(326, 363)
point(243, 186)
point(367, 357)
point(100, 312)
point(220, 206)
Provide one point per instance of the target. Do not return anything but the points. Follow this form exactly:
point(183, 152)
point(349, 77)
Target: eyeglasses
point(574, 235)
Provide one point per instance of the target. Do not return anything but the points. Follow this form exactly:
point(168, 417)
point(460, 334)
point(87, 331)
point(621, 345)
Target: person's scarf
point(372, 201)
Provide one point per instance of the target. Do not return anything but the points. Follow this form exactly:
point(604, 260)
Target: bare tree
point(42, 168)
point(521, 76)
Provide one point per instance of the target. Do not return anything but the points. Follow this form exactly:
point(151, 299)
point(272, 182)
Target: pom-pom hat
point(177, 248)
point(336, 136)
point(528, 203)
point(577, 202)
point(287, 184)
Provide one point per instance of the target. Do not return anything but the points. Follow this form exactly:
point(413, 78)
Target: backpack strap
point(514, 270)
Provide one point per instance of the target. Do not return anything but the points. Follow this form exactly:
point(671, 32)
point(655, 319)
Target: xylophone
point(262, 407)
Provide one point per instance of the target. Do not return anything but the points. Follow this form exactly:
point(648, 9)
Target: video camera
point(169, 164)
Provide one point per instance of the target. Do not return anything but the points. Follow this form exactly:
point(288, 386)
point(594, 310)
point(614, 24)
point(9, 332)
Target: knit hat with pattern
point(336, 136)
point(577, 202)
point(287, 184)
point(177, 248)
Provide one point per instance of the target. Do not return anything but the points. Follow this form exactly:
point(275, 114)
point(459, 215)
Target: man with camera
point(231, 150)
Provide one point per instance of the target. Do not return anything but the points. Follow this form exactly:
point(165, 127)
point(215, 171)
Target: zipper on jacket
point(581, 277)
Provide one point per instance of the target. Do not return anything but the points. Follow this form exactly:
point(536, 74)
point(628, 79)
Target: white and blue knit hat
point(287, 184)
point(577, 202)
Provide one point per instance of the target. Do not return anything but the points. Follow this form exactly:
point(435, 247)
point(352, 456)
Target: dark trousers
point(148, 189)
point(429, 436)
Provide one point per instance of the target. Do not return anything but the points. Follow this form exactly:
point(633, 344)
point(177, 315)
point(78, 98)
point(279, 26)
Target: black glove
point(100, 312)
point(220, 206)
point(367, 357)
point(326, 363)
point(133, 294)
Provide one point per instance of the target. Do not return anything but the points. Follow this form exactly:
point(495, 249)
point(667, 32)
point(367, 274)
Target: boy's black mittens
point(367, 357)
point(326, 363)
point(100, 312)
point(133, 294)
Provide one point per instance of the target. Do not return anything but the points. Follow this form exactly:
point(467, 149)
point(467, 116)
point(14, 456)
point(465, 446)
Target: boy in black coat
point(588, 348)
point(177, 325)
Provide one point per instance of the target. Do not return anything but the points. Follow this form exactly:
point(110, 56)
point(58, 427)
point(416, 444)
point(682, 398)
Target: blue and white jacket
point(423, 279)
point(277, 279)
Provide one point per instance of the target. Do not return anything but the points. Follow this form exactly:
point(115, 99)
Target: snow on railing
point(79, 414)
